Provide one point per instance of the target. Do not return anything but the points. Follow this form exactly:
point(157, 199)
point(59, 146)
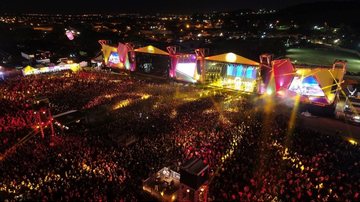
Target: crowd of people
point(253, 155)
point(64, 91)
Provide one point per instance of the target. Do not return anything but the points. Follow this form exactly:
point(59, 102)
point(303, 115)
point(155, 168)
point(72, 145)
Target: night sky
point(178, 6)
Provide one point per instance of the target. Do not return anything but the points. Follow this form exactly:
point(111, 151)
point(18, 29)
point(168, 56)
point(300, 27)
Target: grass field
point(324, 56)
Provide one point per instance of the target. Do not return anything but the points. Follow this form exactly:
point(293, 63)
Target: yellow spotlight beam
point(293, 114)
point(329, 86)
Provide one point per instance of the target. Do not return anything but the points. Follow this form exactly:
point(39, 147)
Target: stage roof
point(151, 50)
point(232, 58)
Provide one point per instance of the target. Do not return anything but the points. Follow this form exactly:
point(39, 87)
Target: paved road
point(331, 126)
point(325, 125)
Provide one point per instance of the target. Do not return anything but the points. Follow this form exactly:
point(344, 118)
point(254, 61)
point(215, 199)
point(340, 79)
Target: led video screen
point(113, 59)
point(307, 86)
point(241, 71)
point(187, 68)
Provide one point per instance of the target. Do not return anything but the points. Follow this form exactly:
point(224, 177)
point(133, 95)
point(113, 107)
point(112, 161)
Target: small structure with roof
point(193, 182)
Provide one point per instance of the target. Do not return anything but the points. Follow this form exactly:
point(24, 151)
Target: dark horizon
point(143, 6)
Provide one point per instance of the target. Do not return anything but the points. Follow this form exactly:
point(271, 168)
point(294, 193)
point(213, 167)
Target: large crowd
point(64, 91)
point(252, 154)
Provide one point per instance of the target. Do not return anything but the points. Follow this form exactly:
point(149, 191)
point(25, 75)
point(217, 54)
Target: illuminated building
point(191, 184)
point(163, 185)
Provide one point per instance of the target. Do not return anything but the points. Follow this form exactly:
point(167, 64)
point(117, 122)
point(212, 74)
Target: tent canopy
point(28, 69)
point(151, 50)
point(232, 58)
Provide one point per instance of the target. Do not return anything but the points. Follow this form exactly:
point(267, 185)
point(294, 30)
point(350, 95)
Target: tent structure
point(232, 58)
point(151, 50)
point(28, 70)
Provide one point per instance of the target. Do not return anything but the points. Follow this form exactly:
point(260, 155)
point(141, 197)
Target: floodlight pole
point(38, 116)
point(132, 57)
point(200, 56)
point(51, 125)
point(172, 50)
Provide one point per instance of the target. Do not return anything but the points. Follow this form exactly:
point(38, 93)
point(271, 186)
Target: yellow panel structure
point(151, 50)
point(107, 51)
point(328, 79)
point(75, 67)
point(232, 58)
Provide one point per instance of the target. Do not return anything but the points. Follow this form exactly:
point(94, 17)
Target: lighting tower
point(43, 117)
point(174, 60)
point(200, 57)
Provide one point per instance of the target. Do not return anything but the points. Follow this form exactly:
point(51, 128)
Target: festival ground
point(257, 150)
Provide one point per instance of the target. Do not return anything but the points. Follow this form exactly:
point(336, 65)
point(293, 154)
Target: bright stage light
point(151, 49)
point(230, 57)
point(281, 93)
point(269, 92)
point(300, 72)
point(352, 141)
point(197, 77)
point(145, 96)
point(237, 83)
point(249, 86)
point(122, 104)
